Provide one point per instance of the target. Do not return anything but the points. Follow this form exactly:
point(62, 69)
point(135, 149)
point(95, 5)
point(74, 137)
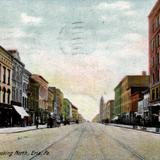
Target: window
point(153, 78)
point(0, 94)
point(153, 28)
point(153, 61)
point(14, 73)
point(157, 58)
point(0, 72)
point(4, 74)
point(20, 96)
point(152, 45)
point(26, 102)
point(4, 95)
point(153, 94)
point(156, 93)
point(157, 40)
point(8, 98)
point(9, 76)
point(17, 95)
point(157, 21)
point(23, 102)
point(24, 87)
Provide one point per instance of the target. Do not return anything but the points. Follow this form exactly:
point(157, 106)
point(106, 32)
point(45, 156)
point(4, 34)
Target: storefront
point(154, 110)
point(19, 116)
point(5, 115)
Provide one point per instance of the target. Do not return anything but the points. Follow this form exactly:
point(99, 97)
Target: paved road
point(87, 141)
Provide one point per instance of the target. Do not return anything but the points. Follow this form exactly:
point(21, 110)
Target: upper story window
point(157, 40)
point(9, 76)
point(4, 74)
point(14, 73)
point(4, 95)
point(156, 93)
point(153, 94)
point(157, 21)
point(0, 72)
point(153, 78)
point(152, 61)
point(157, 58)
point(153, 28)
point(152, 45)
point(13, 93)
point(157, 75)
point(8, 98)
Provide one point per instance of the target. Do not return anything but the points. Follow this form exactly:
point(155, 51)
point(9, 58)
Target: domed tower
point(101, 108)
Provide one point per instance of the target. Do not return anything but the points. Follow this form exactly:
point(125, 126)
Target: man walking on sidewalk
point(36, 122)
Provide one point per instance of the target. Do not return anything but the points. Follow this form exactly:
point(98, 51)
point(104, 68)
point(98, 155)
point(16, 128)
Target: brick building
point(154, 57)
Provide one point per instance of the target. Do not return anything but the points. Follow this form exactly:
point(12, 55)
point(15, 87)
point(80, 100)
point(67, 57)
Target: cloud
point(30, 19)
point(9, 33)
point(132, 36)
point(11, 37)
point(119, 5)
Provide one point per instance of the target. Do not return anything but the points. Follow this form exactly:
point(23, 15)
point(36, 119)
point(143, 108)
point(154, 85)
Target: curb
point(22, 131)
point(135, 129)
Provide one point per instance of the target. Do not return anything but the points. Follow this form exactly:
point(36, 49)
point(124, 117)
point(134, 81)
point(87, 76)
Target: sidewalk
point(20, 129)
point(140, 128)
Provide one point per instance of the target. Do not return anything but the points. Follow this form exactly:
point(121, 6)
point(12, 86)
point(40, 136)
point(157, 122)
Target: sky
point(83, 47)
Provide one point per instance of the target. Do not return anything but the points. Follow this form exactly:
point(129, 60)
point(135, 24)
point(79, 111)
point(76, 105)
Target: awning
point(21, 111)
point(156, 104)
point(115, 118)
point(139, 113)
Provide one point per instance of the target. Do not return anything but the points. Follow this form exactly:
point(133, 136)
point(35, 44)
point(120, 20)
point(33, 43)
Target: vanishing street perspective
point(80, 80)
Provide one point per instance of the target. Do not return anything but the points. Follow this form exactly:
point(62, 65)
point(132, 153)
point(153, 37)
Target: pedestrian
point(134, 122)
point(51, 122)
point(36, 123)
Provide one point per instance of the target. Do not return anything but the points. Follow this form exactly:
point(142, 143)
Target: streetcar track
point(54, 143)
point(126, 147)
point(73, 151)
point(98, 144)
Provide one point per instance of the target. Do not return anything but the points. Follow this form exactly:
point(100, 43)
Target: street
point(87, 141)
